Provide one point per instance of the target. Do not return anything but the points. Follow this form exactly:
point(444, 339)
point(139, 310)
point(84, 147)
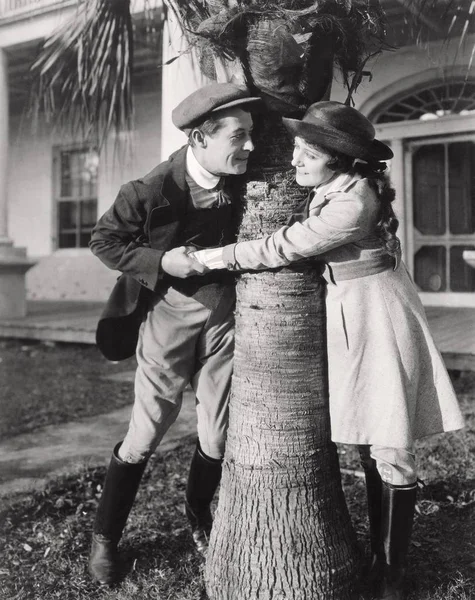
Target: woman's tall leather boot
point(374, 494)
point(120, 488)
point(203, 481)
point(398, 505)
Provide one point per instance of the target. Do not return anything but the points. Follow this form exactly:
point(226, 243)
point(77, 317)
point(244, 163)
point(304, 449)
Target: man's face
point(310, 164)
point(226, 152)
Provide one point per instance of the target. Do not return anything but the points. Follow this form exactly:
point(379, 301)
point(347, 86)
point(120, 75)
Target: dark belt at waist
point(358, 268)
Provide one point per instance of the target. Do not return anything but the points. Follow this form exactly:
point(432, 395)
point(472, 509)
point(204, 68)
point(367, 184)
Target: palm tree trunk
point(282, 529)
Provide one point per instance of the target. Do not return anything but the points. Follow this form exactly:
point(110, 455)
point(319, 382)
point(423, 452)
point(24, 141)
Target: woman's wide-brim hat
point(336, 126)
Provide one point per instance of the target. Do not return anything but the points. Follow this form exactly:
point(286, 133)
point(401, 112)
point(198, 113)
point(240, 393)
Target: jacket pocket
point(160, 216)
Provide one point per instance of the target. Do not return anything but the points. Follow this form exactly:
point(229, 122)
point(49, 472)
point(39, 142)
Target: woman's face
point(310, 164)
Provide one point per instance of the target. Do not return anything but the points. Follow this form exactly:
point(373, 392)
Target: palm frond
point(82, 77)
point(287, 48)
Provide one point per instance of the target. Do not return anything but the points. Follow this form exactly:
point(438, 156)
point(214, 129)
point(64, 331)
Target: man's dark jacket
point(132, 237)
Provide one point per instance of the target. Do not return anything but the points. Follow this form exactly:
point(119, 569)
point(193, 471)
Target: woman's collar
point(338, 182)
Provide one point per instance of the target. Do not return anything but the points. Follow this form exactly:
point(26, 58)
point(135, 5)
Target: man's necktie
point(222, 196)
point(211, 198)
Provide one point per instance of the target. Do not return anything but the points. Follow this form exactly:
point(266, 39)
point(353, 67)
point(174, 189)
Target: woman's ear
point(198, 138)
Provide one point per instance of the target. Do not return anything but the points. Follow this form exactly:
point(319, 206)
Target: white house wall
point(179, 78)
point(74, 273)
point(141, 156)
point(394, 71)
point(30, 189)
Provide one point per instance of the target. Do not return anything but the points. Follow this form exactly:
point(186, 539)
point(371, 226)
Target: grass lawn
point(48, 383)
point(45, 536)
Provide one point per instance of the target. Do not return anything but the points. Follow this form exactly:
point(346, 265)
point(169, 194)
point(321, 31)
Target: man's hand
point(178, 263)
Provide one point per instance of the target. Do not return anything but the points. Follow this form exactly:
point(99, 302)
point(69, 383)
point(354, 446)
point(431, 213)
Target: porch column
point(13, 261)
point(3, 148)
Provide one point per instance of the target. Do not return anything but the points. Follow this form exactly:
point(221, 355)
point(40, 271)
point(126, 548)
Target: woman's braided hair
point(375, 172)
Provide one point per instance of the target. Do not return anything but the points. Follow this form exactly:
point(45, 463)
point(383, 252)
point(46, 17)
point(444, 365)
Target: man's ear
point(198, 138)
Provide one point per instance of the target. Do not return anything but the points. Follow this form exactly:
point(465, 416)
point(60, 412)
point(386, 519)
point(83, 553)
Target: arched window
point(430, 101)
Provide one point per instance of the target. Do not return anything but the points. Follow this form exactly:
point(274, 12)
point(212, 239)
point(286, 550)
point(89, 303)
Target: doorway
point(440, 179)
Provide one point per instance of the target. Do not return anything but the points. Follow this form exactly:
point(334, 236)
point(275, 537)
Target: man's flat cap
point(209, 99)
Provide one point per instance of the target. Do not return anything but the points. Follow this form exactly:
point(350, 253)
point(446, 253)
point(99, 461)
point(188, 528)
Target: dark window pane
point(67, 240)
point(429, 189)
point(65, 186)
point(68, 215)
point(85, 238)
point(68, 218)
point(76, 220)
point(462, 276)
point(78, 183)
point(462, 187)
point(88, 213)
point(78, 173)
point(429, 268)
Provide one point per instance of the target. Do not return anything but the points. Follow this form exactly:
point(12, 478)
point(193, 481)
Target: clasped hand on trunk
point(178, 263)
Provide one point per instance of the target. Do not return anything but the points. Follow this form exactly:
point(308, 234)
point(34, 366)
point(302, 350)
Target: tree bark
point(281, 529)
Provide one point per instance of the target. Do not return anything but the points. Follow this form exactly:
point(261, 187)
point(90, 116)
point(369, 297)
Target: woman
point(388, 383)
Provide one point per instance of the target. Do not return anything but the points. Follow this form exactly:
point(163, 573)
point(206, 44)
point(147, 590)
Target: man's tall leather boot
point(397, 518)
point(120, 488)
point(203, 480)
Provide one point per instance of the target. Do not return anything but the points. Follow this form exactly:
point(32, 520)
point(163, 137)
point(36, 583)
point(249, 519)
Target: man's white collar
point(203, 178)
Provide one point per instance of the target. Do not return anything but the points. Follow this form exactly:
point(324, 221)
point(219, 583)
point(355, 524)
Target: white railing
point(14, 8)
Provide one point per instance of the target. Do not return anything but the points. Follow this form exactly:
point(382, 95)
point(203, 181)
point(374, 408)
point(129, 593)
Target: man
point(183, 329)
